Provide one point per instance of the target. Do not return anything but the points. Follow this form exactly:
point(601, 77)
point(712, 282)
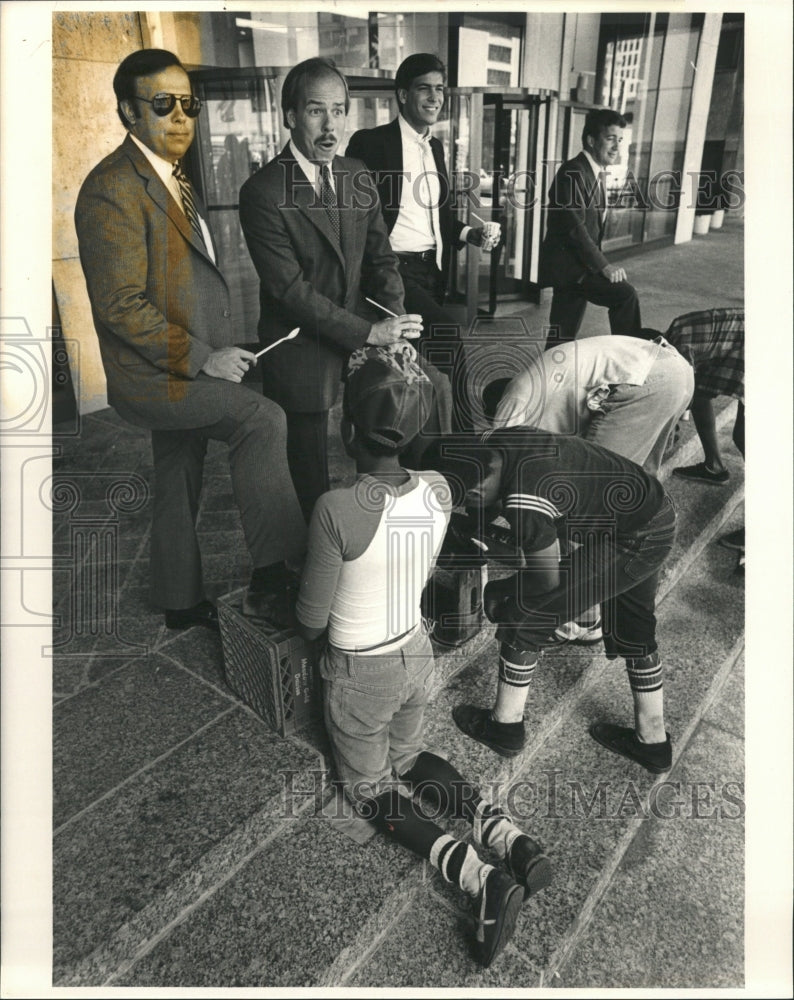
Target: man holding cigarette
point(407, 163)
point(321, 250)
point(162, 313)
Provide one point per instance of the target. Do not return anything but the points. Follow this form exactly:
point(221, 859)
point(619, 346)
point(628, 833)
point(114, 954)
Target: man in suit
point(320, 249)
point(408, 165)
point(571, 260)
point(162, 313)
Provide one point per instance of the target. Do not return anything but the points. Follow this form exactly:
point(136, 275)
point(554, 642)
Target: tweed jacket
point(160, 305)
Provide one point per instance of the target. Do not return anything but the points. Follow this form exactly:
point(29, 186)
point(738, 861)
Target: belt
point(424, 255)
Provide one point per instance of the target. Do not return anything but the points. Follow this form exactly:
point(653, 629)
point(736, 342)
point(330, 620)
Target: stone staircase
point(190, 849)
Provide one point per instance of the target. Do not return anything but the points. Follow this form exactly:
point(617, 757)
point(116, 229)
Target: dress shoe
point(654, 757)
point(203, 613)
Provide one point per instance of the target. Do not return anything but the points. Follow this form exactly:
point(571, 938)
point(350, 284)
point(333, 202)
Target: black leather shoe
point(203, 613)
point(505, 738)
point(654, 757)
point(271, 607)
point(528, 865)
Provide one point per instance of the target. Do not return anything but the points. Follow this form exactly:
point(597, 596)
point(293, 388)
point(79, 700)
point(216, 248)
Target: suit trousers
point(254, 429)
point(307, 455)
point(424, 294)
point(569, 302)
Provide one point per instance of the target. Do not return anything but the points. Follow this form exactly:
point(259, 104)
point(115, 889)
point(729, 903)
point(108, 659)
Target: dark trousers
point(254, 429)
point(569, 302)
point(307, 455)
point(622, 576)
point(424, 294)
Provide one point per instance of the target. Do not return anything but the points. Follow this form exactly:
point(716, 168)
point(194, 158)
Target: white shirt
point(601, 176)
point(165, 171)
point(417, 227)
point(311, 170)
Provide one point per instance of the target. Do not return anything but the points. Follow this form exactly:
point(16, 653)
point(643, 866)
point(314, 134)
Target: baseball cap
point(387, 395)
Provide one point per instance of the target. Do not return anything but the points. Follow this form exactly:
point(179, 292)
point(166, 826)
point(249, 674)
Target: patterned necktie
point(328, 198)
point(187, 201)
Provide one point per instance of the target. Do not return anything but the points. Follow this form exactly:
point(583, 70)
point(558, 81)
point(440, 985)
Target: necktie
point(187, 201)
point(328, 198)
point(431, 197)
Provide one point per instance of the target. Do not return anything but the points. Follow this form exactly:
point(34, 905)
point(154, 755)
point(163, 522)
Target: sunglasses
point(164, 104)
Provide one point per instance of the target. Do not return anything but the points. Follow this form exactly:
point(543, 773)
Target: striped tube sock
point(494, 829)
point(458, 863)
point(516, 667)
point(647, 689)
point(645, 673)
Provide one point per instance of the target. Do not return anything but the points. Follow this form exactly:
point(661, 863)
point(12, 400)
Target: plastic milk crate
point(271, 669)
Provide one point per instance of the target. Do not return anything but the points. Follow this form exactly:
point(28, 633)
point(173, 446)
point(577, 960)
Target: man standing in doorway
point(162, 312)
point(320, 249)
point(571, 260)
point(408, 165)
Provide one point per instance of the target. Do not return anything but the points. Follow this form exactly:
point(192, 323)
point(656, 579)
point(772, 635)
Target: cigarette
point(374, 303)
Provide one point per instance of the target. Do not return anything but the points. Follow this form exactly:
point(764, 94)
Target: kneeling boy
point(371, 550)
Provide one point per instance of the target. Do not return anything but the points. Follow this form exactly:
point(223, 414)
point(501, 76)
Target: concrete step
point(365, 909)
point(143, 885)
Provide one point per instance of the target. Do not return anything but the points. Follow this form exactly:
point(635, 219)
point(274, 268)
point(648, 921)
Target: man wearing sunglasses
point(162, 312)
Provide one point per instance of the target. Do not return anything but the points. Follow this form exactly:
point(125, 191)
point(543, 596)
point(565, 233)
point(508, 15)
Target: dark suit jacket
point(307, 279)
point(572, 246)
point(381, 149)
point(160, 305)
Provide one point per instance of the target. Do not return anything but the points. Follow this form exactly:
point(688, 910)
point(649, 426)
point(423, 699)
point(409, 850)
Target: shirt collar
point(309, 167)
point(409, 134)
point(595, 167)
point(163, 168)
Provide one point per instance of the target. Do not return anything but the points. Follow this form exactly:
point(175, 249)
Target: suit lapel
point(302, 195)
point(393, 160)
point(163, 198)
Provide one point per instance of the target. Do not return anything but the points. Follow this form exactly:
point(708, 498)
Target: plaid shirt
point(712, 341)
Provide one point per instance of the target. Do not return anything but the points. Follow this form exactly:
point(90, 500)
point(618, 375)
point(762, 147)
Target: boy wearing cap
point(371, 550)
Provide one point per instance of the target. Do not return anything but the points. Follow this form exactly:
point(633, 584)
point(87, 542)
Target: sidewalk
point(177, 861)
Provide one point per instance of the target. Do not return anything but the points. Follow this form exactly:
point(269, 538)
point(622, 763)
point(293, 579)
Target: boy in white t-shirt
point(371, 550)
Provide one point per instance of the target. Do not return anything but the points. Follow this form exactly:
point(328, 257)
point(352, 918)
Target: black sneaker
point(733, 540)
point(496, 910)
point(700, 473)
point(528, 865)
point(505, 738)
point(654, 757)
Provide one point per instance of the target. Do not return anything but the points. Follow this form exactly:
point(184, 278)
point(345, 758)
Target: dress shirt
point(601, 175)
point(165, 171)
point(311, 170)
point(417, 227)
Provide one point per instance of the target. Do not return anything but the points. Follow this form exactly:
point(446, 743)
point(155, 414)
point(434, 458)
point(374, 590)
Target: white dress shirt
point(601, 176)
point(165, 171)
point(417, 226)
point(311, 170)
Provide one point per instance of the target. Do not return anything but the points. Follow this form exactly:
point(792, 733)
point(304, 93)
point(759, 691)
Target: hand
point(493, 599)
point(486, 237)
point(389, 331)
point(229, 363)
point(614, 274)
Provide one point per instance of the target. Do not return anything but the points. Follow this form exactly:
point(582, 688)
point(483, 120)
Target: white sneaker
point(581, 635)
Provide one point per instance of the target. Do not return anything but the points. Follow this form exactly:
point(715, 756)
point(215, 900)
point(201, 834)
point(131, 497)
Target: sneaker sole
point(730, 545)
point(505, 926)
point(538, 876)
